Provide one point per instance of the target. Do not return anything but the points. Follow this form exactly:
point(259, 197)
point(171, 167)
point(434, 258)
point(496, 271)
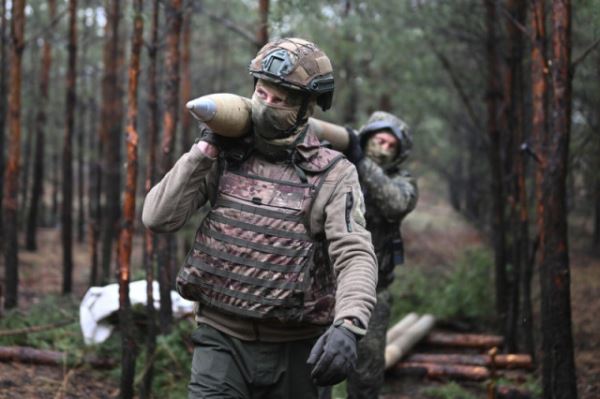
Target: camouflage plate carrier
point(254, 255)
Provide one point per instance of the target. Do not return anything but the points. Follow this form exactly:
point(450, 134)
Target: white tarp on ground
point(100, 302)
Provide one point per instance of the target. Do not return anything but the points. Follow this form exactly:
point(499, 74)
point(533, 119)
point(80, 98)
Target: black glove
point(333, 356)
point(354, 152)
point(221, 142)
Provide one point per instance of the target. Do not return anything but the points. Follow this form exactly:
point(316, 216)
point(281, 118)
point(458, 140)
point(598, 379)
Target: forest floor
point(435, 236)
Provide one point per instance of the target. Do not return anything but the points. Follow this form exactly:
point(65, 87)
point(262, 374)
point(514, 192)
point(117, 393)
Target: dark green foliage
point(464, 292)
point(51, 310)
point(172, 362)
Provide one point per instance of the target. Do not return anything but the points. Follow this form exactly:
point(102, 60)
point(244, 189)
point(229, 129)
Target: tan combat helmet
point(297, 64)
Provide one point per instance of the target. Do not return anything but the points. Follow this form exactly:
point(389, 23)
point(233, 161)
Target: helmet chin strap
point(301, 118)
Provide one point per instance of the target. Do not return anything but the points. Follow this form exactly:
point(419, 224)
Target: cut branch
point(35, 329)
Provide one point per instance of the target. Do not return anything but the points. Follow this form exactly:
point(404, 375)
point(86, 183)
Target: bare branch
point(44, 30)
point(516, 23)
point(226, 22)
point(585, 53)
point(34, 329)
point(455, 82)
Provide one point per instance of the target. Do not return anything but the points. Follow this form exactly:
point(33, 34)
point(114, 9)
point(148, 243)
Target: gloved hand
point(333, 356)
point(218, 142)
point(354, 152)
point(221, 142)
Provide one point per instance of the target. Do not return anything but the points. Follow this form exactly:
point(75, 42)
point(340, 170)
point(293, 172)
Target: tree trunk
point(81, 150)
point(67, 186)
point(186, 83)
point(110, 133)
point(95, 213)
point(3, 74)
point(596, 192)
point(473, 200)
point(539, 129)
point(262, 34)
point(28, 127)
point(149, 259)
point(171, 112)
point(28, 137)
point(55, 187)
point(498, 220)
point(513, 123)
point(37, 191)
point(129, 346)
point(95, 180)
point(596, 236)
point(10, 204)
point(558, 365)
point(84, 105)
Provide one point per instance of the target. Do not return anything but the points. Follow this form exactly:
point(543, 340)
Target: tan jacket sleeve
point(339, 209)
point(171, 202)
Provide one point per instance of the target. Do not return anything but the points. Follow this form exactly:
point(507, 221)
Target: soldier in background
point(282, 266)
point(390, 194)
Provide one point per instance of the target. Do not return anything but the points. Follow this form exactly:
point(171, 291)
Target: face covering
point(275, 133)
point(381, 156)
point(273, 122)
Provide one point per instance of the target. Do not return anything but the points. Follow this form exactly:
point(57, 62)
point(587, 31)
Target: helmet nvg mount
point(296, 64)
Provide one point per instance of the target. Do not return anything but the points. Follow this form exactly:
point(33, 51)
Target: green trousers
point(367, 380)
point(226, 368)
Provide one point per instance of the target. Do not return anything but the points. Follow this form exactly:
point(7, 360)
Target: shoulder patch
point(358, 212)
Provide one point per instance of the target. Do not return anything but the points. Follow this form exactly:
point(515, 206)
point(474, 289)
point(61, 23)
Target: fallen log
point(399, 328)
point(464, 340)
point(396, 349)
point(25, 354)
point(436, 370)
point(500, 361)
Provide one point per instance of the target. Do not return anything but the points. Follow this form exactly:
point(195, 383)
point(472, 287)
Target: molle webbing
point(254, 256)
point(251, 257)
point(256, 210)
